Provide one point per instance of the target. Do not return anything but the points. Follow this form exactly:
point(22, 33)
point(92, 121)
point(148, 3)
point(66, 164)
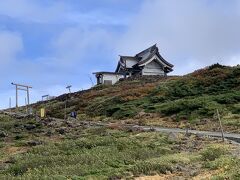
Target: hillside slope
point(192, 98)
point(51, 148)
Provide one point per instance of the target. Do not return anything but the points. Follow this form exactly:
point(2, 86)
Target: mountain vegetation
point(59, 148)
point(191, 99)
point(54, 149)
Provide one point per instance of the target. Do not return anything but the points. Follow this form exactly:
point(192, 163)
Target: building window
point(108, 82)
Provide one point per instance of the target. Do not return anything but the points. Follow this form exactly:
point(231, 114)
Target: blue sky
point(52, 43)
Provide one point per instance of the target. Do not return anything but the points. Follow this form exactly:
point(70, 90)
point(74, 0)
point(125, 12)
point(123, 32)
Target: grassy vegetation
point(226, 164)
point(192, 98)
point(107, 156)
point(82, 152)
point(196, 95)
point(60, 149)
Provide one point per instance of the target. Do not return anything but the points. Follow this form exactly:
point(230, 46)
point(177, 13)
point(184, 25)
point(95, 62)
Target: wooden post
point(220, 123)
point(26, 105)
point(10, 103)
point(28, 99)
point(16, 96)
point(65, 110)
point(125, 73)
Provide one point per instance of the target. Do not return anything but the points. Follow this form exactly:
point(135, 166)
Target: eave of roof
point(155, 51)
point(118, 66)
point(160, 57)
point(166, 62)
point(146, 50)
point(105, 72)
point(126, 58)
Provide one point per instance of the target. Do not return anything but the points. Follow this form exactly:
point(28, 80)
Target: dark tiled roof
point(149, 53)
point(146, 51)
point(105, 72)
point(144, 56)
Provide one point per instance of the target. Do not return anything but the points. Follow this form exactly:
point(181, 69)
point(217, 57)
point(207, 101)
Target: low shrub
point(213, 152)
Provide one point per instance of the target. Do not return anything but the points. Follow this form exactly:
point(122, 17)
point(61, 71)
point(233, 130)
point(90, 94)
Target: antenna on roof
point(91, 80)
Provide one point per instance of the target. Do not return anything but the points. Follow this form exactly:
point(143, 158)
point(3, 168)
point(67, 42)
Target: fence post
point(219, 119)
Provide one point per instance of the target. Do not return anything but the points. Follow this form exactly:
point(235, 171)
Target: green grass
point(109, 155)
point(218, 157)
point(228, 165)
point(102, 153)
point(211, 153)
point(191, 97)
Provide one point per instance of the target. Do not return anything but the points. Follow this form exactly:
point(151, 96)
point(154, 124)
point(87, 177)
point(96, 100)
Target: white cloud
point(10, 45)
point(32, 10)
point(50, 74)
point(4, 102)
point(54, 12)
point(234, 60)
point(187, 32)
point(190, 34)
point(95, 17)
point(76, 43)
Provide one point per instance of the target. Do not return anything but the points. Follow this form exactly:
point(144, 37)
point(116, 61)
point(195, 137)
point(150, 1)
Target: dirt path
point(230, 136)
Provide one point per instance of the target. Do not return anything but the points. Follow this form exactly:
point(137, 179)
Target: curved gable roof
point(144, 56)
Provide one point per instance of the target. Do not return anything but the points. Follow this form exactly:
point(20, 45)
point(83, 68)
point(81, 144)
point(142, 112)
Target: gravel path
point(230, 136)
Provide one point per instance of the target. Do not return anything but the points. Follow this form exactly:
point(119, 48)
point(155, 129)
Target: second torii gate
point(45, 97)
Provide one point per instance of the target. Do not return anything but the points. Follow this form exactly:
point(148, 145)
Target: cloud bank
point(190, 34)
point(11, 44)
point(50, 44)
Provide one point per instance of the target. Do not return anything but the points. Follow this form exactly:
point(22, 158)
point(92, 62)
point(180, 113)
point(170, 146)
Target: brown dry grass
point(202, 176)
point(12, 150)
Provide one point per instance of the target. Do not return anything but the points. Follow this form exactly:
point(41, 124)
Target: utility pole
point(65, 111)
point(23, 88)
point(10, 103)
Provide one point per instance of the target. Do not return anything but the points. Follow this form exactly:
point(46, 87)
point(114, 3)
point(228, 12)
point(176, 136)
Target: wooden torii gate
point(45, 97)
point(23, 88)
point(69, 88)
